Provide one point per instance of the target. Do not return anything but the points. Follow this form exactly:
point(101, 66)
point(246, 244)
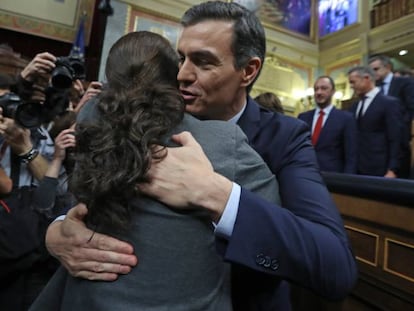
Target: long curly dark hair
point(138, 106)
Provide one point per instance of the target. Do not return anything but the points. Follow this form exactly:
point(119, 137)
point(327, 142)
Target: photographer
point(52, 197)
point(34, 78)
point(25, 155)
point(5, 181)
point(24, 261)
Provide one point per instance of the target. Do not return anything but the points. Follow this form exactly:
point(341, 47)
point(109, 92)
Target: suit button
point(274, 265)
point(267, 262)
point(260, 260)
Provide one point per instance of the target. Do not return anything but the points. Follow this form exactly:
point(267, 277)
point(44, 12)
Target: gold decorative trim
point(139, 20)
point(128, 19)
point(386, 268)
point(376, 236)
point(17, 21)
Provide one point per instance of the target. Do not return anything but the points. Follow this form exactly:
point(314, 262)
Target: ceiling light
point(309, 91)
point(338, 95)
point(402, 52)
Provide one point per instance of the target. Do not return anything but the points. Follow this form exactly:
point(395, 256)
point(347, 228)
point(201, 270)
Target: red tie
point(318, 128)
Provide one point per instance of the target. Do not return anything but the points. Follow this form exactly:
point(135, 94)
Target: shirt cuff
point(226, 223)
point(61, 217)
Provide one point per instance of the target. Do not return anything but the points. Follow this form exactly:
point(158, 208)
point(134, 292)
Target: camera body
point(68, 69)
point(26, 114)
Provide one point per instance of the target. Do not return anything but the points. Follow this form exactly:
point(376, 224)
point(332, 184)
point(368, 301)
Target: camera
point(68, 69)
point(26, 114)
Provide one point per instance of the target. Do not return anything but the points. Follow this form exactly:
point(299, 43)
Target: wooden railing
point(379, 217)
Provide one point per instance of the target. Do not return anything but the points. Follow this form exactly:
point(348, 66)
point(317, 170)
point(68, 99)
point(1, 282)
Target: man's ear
point(251, 70)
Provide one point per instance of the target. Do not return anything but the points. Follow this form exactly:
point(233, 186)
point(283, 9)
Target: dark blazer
point(270, 244)
point(403, 89)
point(336, 148)
point(379, 136)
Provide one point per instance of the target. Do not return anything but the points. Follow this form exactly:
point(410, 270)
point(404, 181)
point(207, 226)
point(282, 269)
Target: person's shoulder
point(342, 113)
point(385, 99)
point(290, 122)
point(193, 123)
point(208, 130)
point(306, 113)
point(402, 80)
point(283, 127)
point(88, 112)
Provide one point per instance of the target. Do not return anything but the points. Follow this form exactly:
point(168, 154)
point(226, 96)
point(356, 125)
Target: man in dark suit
point(403, 89)
point(222, 49)
point(333, 131)
point(379, 122)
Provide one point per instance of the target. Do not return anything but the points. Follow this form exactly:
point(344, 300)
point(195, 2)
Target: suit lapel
point(391, 89)
point(371, 106)
point(325, 129)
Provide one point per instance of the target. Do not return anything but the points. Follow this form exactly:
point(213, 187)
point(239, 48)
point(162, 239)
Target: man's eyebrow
point(201, 54)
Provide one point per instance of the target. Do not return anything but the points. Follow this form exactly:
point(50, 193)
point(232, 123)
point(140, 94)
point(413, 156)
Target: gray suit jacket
point(179, 268)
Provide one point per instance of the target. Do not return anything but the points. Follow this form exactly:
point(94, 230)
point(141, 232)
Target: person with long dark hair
point(118, 136)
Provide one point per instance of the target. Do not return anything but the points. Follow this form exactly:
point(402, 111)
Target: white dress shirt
point(368, 100)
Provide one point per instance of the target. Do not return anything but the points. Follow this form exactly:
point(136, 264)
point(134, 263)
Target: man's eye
point(203, 62)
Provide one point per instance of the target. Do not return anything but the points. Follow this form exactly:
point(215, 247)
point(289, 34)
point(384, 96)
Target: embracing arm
point(85, 253)
point(304, 241)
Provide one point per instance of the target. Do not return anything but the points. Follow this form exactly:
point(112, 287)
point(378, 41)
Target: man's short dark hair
point(248, 36)
point(385, 60)
point(331, 81)
point(363, 71)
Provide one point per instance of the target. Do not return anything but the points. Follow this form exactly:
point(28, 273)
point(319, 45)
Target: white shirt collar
point(388, 78)
point(236, 118)
point(371, 94)
point(327, 110)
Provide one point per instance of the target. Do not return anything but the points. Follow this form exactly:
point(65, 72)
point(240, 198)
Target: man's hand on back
point(85, 253)
point(185, 178)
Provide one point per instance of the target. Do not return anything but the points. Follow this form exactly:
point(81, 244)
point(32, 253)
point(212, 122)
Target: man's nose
point(186, 72)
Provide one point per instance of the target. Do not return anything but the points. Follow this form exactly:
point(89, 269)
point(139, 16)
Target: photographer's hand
point(77, 86)
point(40, 65)
point(16, 137)
point(86, 254)
point(19, 140)
point(94, 88)
point(64, 140)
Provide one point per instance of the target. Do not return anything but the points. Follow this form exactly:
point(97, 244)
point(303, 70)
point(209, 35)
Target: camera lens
point(61, 78)
point(79, 69)
point(29, 115)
